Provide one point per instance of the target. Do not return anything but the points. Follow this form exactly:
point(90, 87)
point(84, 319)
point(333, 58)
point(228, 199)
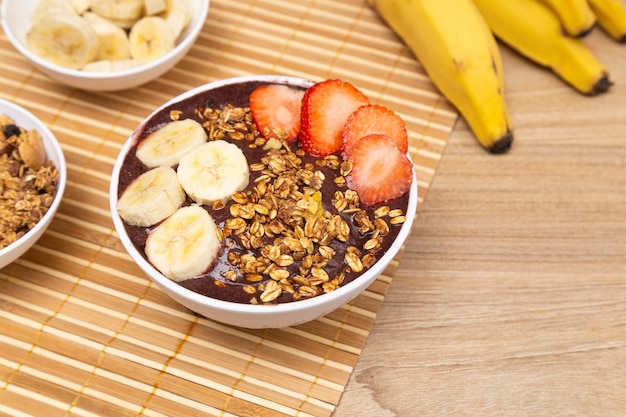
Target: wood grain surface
point(510, 298)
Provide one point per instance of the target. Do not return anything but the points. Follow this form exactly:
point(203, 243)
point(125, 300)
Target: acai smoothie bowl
point(265, 201)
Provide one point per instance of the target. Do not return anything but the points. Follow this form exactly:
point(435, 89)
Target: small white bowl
point(249, 315)
point(23, 118)
point(16, 15)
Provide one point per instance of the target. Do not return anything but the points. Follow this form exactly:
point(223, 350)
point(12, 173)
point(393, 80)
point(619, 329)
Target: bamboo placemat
point(83, 332)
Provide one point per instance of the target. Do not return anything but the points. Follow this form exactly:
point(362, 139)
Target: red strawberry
point(374, 119)
point(276, 111)
point(380, 171)
point(326, 107)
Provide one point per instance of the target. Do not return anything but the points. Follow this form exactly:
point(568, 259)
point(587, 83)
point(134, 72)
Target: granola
point(28, 182)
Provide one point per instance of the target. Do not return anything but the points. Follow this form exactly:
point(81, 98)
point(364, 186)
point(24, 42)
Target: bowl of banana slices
point(246, 228)
point(103, 45)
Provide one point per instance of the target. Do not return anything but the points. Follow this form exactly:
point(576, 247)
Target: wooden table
point(510, 299)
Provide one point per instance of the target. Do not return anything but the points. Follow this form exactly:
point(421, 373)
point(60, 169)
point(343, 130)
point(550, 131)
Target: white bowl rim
point(232, 307)
point(44, 131)
point(190, 37)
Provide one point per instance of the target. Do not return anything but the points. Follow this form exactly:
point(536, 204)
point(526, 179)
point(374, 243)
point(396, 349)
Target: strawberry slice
point(380, 170)
point(326, 107)
point(276, 111)
point(374, 118)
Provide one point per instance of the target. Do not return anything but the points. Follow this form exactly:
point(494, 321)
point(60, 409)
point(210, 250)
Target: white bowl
point(16, 15)
point(249, 315)
point(27, 120)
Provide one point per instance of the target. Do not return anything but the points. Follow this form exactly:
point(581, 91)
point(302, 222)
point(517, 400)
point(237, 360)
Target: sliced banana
point(121, 12)
point(213, 172)
point(81, 6)
point(151, 197)
point(47, 7)
point(166, 145)
point(105, 65)
point(124, 64)
point(185, 245)
point(142, 30)
point(114, 43)
point(64, 39)
point(177, 15)
point(152, 7)
point(150, 38)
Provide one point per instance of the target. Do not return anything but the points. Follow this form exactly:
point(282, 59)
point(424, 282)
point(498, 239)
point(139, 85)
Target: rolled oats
point(397, 220)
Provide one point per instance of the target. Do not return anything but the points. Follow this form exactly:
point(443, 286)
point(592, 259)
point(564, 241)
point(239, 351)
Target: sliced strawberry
point(380, 171)
point(276, 111)
point(367, 120)
point(326, 107)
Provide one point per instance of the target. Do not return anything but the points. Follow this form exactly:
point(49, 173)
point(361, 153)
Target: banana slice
point(177, 15)
point(47, 7)
point(213, 172)
point(113, 40)
point(81, 6)
point(105, 65)
point(122, 12)
point(65, 39)
point(151, 197)
point(124, 64)
point(150, 38)
point(166, 145)
point(185, 245)
point(152, 7)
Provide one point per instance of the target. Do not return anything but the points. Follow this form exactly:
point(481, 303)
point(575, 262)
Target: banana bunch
point(106, 35)
point(454, 40)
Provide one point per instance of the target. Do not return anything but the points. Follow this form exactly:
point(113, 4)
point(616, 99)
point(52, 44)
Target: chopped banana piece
point(86, 34)
point(185, 245)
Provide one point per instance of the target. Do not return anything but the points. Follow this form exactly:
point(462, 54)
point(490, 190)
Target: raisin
point(11, 130)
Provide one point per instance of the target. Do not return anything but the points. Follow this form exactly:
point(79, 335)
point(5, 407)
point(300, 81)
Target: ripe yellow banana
point(611, 16)
point(458, 51)
point(534, 30)
point(576, 16)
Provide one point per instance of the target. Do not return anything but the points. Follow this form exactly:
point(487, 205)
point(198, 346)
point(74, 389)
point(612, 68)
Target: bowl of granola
point(265, 201)
point(103, 45)
point(32, 180)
